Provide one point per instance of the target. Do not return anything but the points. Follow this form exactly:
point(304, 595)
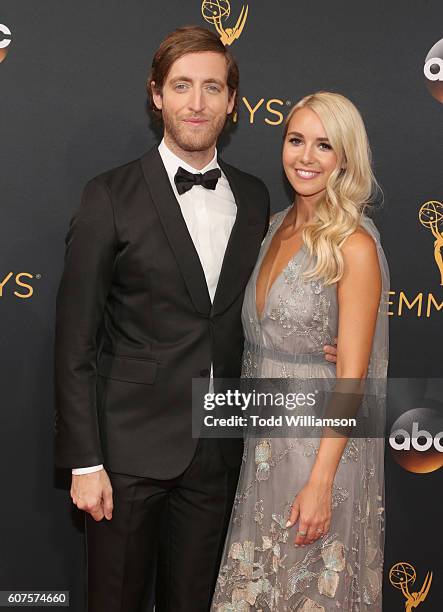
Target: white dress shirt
point(209, 216)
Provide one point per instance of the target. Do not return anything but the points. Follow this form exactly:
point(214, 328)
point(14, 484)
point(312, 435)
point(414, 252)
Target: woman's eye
point(295, 141)
point(324, 146)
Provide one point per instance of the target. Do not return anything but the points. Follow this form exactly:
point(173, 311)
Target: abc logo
point(5, 41)
point(433, 71)
point(416, 440)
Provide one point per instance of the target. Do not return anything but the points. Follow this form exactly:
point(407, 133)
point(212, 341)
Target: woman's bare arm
point(359, 293)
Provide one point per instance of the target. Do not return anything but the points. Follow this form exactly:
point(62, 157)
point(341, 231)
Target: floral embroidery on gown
point(261, 570)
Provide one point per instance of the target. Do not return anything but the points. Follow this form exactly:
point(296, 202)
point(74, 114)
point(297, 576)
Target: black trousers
point(165, 539)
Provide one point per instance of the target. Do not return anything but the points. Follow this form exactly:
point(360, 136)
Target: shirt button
point(204, 373)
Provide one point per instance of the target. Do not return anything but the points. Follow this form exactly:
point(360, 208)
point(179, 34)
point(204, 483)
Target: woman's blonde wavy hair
point(349, 189)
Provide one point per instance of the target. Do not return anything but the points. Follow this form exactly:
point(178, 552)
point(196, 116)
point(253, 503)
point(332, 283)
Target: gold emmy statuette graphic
point(431, 216)
point(401, 575)
point(216, 11)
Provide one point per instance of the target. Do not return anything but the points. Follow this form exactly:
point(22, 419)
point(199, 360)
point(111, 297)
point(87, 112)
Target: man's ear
point(231, 103)
point(156, 95)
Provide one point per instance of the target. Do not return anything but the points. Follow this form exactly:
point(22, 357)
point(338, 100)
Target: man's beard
point(200, 140)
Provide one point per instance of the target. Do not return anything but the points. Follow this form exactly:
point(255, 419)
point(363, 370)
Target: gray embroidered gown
point(261, 569)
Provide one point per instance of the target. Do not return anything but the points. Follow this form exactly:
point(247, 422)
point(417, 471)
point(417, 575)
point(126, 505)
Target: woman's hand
point(312, 508)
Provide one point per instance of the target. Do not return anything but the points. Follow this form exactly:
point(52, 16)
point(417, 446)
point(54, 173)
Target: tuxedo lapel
point(241, 250)
point(175, 229)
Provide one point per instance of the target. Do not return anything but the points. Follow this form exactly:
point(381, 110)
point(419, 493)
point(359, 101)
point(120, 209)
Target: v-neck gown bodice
point(261, 570)
point(297, 320)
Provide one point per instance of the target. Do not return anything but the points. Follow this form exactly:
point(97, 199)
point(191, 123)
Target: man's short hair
point(180, 42)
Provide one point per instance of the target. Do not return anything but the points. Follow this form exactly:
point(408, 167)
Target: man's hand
point(93, 493)
point(331, 351)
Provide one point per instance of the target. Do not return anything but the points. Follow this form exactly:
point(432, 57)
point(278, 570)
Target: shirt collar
point(172, 162)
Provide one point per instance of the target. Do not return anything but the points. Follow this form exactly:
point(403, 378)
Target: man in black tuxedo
point(157, 259)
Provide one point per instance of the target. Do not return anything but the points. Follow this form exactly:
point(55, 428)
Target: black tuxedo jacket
point(135, 322)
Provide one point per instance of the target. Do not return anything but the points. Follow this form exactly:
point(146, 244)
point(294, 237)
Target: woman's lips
point(306, 174)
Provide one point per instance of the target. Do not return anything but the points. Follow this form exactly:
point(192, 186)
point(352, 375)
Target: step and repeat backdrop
point(73, 104)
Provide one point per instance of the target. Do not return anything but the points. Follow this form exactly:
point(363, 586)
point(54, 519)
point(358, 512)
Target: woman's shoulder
point(360, 237)
point(359, 248)
point(363, 238)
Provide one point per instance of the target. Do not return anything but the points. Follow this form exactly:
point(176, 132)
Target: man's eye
point(213, 88)
point(180, 86)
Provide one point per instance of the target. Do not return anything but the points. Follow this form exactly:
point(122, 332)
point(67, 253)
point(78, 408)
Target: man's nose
point(197, 101)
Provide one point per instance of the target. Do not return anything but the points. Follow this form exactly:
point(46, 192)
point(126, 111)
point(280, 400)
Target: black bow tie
point(185, 180)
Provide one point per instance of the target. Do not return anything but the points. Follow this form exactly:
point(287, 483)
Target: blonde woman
point(307, 528)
